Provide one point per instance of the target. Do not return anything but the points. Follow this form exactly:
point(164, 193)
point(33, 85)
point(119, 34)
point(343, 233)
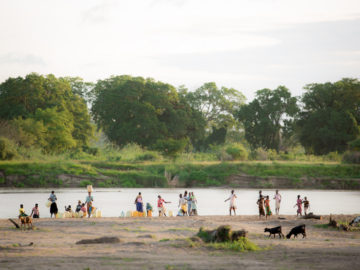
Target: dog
point(274, 231)
point(26, 221)
point(297, 230)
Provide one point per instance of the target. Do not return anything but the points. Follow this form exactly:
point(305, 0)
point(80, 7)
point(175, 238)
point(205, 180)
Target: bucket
point(149, 213)
point(90, 188)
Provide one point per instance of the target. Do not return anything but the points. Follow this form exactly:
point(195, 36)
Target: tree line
point(61, 114)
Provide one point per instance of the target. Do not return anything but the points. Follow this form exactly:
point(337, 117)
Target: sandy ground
point(160, 243)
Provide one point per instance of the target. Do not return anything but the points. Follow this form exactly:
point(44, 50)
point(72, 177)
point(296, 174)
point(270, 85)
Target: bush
point(351, 157)
point(259, 154)
point(7, 149)
point(171, 147)
point(237, 152)
point(90, 150)
point(147, 157)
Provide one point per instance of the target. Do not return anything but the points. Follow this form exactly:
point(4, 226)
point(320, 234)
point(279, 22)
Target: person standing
point(267, 207)
point(260, 203)
point(277, 199)
point(53, 206)
point(35, 212)
point(306, 205)
point(88, 201)
point(161, 206)
point(232, 202)
point(193, 204)
point(139, 203)
point(182, 205)
point(299, 206)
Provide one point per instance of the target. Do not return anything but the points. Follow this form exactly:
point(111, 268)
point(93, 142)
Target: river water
point(112, 201)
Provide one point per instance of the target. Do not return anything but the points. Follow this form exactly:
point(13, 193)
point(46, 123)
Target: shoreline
point(164, 243)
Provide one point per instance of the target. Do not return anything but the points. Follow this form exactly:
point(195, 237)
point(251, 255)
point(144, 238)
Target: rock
point(101, 240)
point(311, 215)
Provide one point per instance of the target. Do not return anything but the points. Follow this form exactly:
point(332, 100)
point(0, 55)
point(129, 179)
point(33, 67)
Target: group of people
point(85, 208)
point(187, 204)
point(263, 203)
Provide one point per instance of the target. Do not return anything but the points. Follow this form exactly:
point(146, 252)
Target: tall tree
point(144, 111)
point(269, 117)
point(330, 117)
point(217, 106)
point(45, 96)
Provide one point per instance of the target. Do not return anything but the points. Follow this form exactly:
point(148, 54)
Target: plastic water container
point(48, 204)
point(171, 213)
point(128, 214)
point(98, 214)
point(149, 213)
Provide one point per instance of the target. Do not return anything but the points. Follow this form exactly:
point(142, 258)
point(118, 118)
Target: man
point(53, 206)
point(277, 199)
point(232, 202)
point(35, 211)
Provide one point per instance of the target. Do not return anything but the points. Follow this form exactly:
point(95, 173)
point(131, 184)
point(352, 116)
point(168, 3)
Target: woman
point(267, 207)
point(299, 206)
point(306, 205)
point(139, 203)
point(89, 199)
point(182, 205)
point(260, 203)
point(53, 206)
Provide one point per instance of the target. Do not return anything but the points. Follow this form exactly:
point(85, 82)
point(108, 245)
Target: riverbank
point(163, 243)
point(292, 175)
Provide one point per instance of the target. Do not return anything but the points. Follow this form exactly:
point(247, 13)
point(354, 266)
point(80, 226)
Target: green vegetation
point(243, 244)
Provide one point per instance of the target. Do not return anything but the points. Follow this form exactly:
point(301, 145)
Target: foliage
point(352, 157)
point(269, 118)
point(7, 149)
point(237, 152)
point(355, 145)
point(143, 111)
point(170, 147)
point(330, 117)
point(45, 112)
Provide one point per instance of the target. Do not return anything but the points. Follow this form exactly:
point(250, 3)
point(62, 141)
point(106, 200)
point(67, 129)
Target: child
point(83, 209)
point(267, 207)
point(182, 204)
point(193, 205)
point(78, 207)
point(306, 205)
point(299, 206)
point(161, 206)
point(149, 209)
point(260, 203)
point(35, 211)
point(68, 209)
point(22, 211)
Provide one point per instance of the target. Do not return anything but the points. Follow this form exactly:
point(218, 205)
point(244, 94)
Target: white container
point(90, 188)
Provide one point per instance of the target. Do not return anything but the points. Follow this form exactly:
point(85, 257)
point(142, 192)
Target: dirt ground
point(160, 243)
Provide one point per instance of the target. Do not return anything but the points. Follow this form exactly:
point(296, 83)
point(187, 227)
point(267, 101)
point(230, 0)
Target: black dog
point(297, 230)
point(274, 231)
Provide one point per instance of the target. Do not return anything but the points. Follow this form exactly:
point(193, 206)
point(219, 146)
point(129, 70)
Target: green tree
point(144, 111)
point(217, 106)
point(330, 117)
point(269, 118)
point(24, 100)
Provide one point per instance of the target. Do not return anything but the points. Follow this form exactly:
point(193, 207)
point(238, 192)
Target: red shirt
point(161, 202)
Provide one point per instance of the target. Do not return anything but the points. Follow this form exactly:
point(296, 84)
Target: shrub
point(237, 152)
point(85, 183)
point(148, 156)
point(243, 244)
point(7, 149)
point(198, 176)
point(259, 154)
point(90, 150)
point(351, 157)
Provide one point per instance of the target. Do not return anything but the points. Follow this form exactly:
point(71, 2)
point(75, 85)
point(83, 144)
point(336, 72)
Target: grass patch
point(241, 245)
point(164, 240)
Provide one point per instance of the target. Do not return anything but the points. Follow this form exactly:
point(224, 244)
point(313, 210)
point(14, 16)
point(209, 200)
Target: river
point(112, 201)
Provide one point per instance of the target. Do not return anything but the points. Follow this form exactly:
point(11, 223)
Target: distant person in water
point(22, 211)
point(306, 205)
point(161, 206)
point(267, 207)
point(277, 199)
point(53, 206)
point(88, 200)
point(260, 203)
point(299, 206)
point(232, 205)
point(35, 211)
point(139, 203)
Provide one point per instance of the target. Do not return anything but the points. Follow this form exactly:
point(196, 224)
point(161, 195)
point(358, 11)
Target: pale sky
point(244, 44)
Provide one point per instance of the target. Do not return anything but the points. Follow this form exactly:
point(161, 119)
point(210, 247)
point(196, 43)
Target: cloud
point(23, 59)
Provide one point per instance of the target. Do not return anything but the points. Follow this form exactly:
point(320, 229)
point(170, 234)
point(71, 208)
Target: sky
point(244, 44)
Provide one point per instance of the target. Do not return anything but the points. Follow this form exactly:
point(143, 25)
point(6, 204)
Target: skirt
point(268, 211)
point(139, 207)
point(53, 208)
